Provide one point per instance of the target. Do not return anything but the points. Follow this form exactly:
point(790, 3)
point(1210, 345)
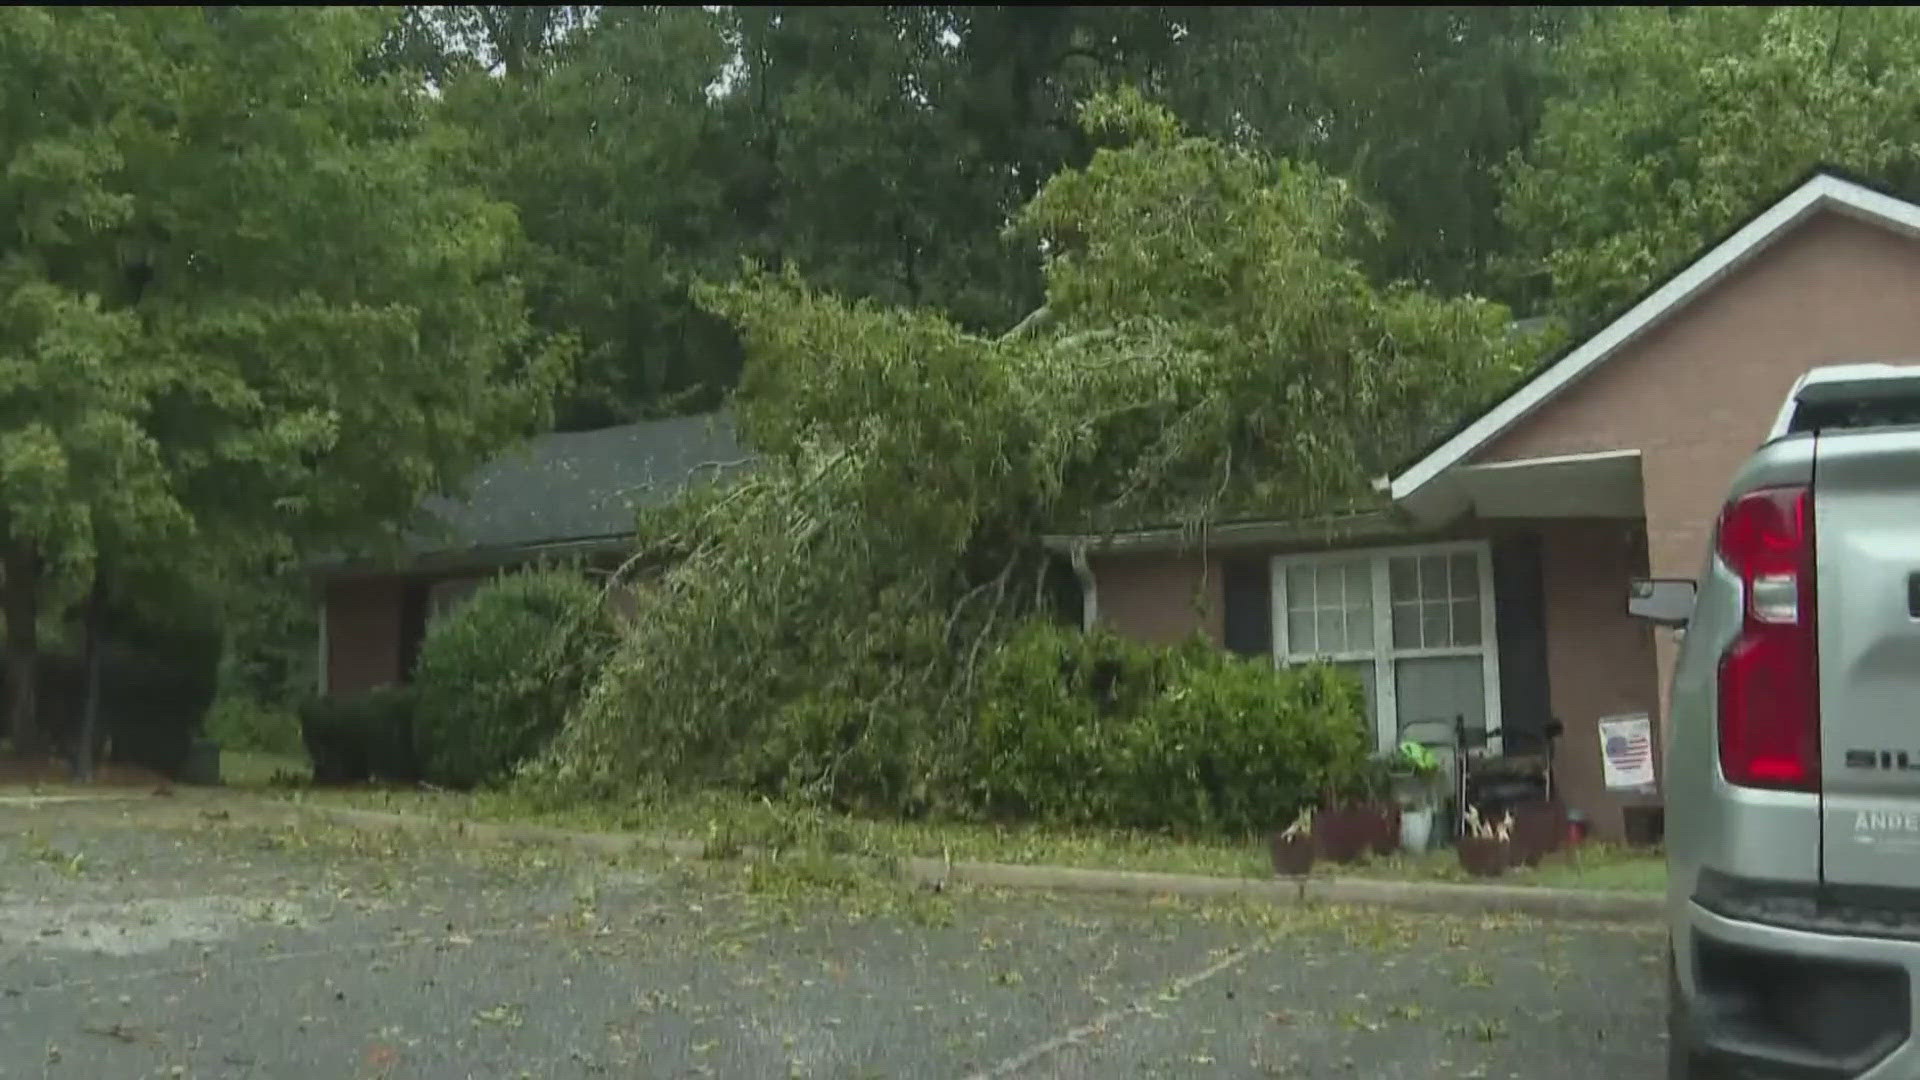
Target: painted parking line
point(1106, 1021)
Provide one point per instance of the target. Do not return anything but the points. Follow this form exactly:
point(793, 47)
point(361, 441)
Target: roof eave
point(476, 558)
point(1231, 534)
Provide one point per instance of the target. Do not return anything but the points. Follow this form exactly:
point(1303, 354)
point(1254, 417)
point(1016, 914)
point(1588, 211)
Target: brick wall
point(362, 633)
point(1161, 597)
point(1696, 395)
point(1600, 660)
point(365, 615)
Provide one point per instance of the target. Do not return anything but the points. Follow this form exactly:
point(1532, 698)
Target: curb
point(1589, 905)
point(1584, 905)
point(1437, 897)
point(34, 802)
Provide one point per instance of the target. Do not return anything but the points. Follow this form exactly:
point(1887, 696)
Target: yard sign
point(1626, 751)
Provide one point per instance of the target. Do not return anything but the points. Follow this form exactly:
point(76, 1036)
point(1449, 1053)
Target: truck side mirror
point(1662, 601)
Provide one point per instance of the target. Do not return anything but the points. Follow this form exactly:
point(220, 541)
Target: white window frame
point(1386, 719)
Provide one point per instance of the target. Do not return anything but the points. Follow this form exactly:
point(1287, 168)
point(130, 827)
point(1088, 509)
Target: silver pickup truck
point(1793, 764)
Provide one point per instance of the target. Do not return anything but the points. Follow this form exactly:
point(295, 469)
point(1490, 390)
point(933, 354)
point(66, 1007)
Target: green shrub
point(364, 736)
point(1092, 729)
point(498, 677)
point(238, 721)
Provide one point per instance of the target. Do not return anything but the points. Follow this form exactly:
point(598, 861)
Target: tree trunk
point(20, 603)
point(90, 710)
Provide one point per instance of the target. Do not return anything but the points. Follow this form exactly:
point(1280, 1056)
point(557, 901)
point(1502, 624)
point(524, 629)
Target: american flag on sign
point(1626, 751)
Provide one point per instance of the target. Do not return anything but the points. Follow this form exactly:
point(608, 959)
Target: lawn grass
point(727, 822)
point(260, 769)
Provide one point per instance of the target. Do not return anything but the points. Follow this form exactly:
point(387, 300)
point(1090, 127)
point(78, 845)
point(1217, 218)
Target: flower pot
point(1292, 855)
point(1343, 834)
point(1410, 790)
point(1386, 828)
point(1416, 829)
point(1484, 856)
point(1538, 829)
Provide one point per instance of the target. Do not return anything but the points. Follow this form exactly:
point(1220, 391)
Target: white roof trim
point(1274, 530)
point(1823, 192)
point(1590, 458)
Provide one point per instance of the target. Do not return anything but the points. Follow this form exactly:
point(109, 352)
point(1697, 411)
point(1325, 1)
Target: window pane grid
point(1436, 600)
point(1429, 654)
point(1329, 609)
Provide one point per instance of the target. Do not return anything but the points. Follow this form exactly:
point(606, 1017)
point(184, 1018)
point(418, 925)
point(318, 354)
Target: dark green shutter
point(1247, 618)
point(1520, 629)
point(413, 625)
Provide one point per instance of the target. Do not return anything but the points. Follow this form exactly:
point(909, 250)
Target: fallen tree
point(1209, 348)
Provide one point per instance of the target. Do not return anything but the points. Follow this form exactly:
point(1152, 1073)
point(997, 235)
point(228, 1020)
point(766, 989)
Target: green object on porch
point(1416, 759)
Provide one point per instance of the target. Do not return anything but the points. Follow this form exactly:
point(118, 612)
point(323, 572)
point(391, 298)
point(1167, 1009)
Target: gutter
point(480, 558)
point(1304, 532)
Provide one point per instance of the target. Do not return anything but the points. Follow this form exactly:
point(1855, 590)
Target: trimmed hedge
point(1091, 729)
point(497, 678)
point(238, 721)
point(356, 737)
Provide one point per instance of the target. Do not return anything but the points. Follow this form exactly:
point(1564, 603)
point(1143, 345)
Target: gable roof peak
point(1823, 189)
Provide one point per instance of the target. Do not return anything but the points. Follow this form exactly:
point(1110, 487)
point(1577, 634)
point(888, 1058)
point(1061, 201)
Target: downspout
point(1089, 592)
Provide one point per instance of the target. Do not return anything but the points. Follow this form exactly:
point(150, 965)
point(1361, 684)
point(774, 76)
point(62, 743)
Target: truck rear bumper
point(1793, 1003)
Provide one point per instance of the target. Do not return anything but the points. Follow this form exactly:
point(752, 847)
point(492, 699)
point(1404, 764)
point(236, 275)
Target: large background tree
point(441, 42)
point(616, 161)
point(1676, 122)
point(1416, 106)
point(881, 150)
point(242, 308)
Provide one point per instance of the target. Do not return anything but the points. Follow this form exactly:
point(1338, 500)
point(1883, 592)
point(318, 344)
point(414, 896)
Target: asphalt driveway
point(187, 938)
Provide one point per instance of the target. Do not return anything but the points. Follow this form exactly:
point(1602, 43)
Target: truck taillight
point(1769, 676)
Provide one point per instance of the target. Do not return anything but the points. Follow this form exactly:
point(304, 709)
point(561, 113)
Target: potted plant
point(1383, 813)
point(1414, 768)
point(1539, 830)
point(1487, 848)
point(1357, 818)
point(1293, 846)
point(1341, 830)
point(1517, 784)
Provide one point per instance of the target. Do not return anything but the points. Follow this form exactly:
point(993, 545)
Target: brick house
point(563, 497)
point(1493, 582)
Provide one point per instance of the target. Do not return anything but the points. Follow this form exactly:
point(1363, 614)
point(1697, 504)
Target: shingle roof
point(581, 485)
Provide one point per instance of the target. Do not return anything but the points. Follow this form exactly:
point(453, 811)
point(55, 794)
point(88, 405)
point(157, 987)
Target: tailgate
point(1866, 491)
